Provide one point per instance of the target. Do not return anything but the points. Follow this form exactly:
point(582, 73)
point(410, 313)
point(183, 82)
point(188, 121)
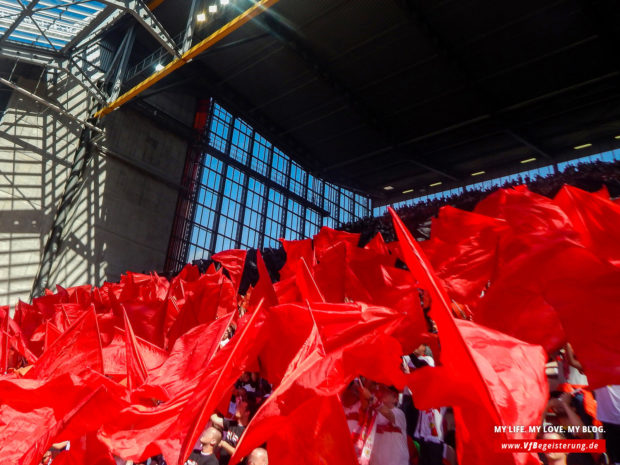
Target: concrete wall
point(122, 217)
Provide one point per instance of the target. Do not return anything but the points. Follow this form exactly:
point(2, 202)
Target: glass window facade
point(250, 193)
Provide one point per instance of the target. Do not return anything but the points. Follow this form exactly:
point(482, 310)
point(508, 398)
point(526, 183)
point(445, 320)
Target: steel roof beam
point(147, 19)
point(51, 60)
point(26, 11)
point(322, 71)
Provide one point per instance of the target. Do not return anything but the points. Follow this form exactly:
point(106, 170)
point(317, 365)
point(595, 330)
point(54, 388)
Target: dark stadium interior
point(406, 93)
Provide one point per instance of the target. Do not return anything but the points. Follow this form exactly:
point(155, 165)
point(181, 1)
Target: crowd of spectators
point(386, 428)
point(587, 176)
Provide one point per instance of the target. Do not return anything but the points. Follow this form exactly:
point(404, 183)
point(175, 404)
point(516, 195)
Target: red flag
point(86, 450)
point(136, 368)
point(477, 410)
point(189, 357)
point(294, 251)
point(534, 221)
point(238, 352)
point(211, 296)
point(33, 412)
point(378, 245)
point(51, 334)
point(585, 292)
point(306, 284)
point(462, 250)
point(343, 341)
point(263, 291)
point(139, 431)
point(327, 237)
point(233, 261)
point(4, 340)
point(515, 375)
point(78, 347)
point(595, 219)
point(115, 356)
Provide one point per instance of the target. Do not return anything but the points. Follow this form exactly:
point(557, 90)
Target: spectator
point(233, 429)
point(429, 429)
point(569, 368)
point(554, 458)
point(390, 444)
point(258, 457)
point(210, 438)
point(562, 411)
point(608, 412)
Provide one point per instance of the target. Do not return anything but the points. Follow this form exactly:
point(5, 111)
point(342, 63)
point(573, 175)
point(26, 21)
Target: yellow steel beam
point(192, 53)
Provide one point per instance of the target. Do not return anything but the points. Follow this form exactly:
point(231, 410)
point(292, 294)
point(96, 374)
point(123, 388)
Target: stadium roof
point(406, 94)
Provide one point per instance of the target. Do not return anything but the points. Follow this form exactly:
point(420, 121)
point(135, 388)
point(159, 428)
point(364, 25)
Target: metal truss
point(147, 19)
point(54, 62)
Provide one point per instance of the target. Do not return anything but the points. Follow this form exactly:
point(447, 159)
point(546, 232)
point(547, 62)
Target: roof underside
point(376, 93)
point(409, 93)
point(49, 24)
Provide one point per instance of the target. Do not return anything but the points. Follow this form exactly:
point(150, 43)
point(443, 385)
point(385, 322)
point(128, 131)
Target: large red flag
point(294, 415)
point(86, 450)
point(187, 361)
point(142, 431)
point(342, 342)
point(205, 299)
point(584, 290)
point(233, 261)
point(327, 237)
point(264, 290)
point(51, 334)
point(115, 356)
point(136, 368)
point(78, 348)
point(33, 412)
point(462, 250)
point(595, 219)
point(306, 284)
point(294, 251)
point(236, 355)
point(465, 379)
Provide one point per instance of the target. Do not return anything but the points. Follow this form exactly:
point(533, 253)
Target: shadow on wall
point(122, 209)
point(37, 148)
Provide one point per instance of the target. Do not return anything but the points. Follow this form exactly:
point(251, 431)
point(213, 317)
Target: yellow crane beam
point(192, 53)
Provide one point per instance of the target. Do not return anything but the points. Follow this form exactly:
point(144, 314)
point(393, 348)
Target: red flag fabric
point(205, 299)
point(595, 219)
point(79, 346)
point(51, 334)
point(343, 341)
point(4, 339)
point(306, 284)
point(585, 292)
point(462, 250)
point(264, 290)
point(294, 251)
point(142, 431)
point(33, 413)
point(86, 450)
point(115, 356)
point(234, 262)
point(477, 402)
point(327, 237)
point(136, 368)
point(187, 361)
point(534, 221)
point(378, 245)
point(233, 360)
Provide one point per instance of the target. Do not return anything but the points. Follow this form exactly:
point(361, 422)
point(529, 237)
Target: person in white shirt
point(390, 444)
